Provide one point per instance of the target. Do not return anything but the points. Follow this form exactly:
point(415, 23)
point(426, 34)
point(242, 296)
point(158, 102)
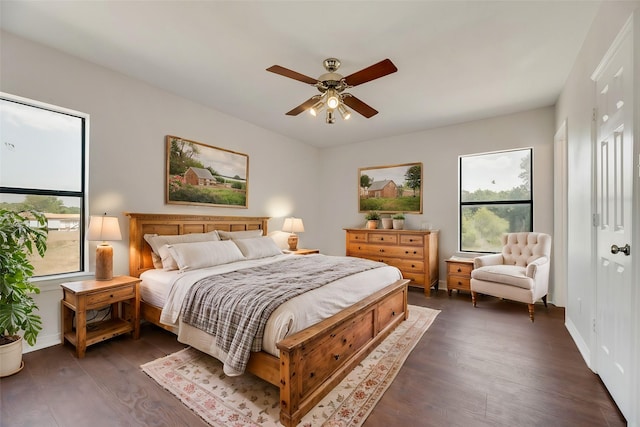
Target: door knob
point(626, 249)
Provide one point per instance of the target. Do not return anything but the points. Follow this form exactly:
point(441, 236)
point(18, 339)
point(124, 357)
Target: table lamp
point(103, 228)
point(293, 226)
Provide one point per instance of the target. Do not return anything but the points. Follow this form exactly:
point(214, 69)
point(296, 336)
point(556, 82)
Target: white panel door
point(614, 255)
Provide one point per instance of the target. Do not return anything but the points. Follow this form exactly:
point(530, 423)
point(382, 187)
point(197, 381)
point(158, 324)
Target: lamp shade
point(103, 228)
point(293, 225)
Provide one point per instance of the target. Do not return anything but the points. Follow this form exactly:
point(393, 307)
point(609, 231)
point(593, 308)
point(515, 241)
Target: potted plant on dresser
point(18, 240)
point(398, 221)
point(372, 219)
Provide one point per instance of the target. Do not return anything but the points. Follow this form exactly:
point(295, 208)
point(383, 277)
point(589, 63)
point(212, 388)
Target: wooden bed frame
point(313, 361)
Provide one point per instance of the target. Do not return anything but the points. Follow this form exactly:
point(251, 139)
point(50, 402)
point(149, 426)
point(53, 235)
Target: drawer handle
point(459, 270)
point(411, 240)
point(381, 250)
point(413, 266)
point(393, 313)
point(336, 356)
point(382, 239)
point(111, 296)
point(380, 260)
point(459, 282)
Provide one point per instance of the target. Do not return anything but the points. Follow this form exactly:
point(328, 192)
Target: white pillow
point(190, 256)
point(163, 258)
point(234, 235)
point(167, 261)
point(258, 247)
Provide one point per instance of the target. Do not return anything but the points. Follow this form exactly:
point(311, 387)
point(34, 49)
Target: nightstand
point(79, 297)
point(459, 274)
point(304, 251)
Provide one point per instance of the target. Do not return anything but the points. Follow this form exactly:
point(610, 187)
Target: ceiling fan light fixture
point(346, 114)
point(332, 99)
point(317, 107)
point(330, 117)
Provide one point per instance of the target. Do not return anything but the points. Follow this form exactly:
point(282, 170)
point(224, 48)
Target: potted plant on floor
point(372, 219)
point(398, 221)
point(18, 239)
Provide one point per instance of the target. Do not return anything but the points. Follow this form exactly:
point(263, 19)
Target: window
point(42, 167)
point(495, 198)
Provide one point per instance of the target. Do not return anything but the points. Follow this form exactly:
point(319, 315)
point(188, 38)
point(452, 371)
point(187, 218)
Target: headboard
point(170, 224)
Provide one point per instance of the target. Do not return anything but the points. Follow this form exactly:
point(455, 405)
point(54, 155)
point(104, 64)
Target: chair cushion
point(504, 274)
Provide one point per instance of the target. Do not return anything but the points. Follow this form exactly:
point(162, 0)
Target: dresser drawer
point(402, 252)
point(391, 239)
point(100, 299)
point(416, 278)
point(412, 239)
point(416, 266)
point(358, 237)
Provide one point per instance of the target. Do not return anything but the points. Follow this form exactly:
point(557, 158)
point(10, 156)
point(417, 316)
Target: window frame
point(462, 205)
point(82, 194)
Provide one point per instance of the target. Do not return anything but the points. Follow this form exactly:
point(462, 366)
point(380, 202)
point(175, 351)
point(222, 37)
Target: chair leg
point(473, 298)
point(544, 300)
point(531, 310)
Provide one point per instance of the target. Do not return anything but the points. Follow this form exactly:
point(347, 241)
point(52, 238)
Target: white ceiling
point(457, 60)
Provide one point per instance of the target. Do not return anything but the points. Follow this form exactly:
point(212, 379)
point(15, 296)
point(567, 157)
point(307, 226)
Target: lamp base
point(104, 262)
point(293, 242)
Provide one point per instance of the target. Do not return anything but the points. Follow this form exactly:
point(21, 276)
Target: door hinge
point(594, 325)
point(595, 219)
point(594, 115)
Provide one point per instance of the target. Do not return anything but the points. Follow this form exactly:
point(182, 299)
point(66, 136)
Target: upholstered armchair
point(519, 273)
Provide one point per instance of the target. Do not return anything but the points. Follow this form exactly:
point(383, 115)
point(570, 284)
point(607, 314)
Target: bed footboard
point(313, 361)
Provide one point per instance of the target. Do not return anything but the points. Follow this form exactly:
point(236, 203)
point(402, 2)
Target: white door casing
point(613, 220)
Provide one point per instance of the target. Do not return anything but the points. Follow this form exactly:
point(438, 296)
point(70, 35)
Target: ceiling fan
point(332, 88)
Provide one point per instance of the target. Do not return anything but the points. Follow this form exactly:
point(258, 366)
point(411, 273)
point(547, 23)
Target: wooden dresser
point(414, 252)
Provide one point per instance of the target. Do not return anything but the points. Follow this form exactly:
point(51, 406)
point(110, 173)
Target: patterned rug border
point(346, 405)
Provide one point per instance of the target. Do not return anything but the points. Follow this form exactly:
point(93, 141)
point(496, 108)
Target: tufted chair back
point(521, 249)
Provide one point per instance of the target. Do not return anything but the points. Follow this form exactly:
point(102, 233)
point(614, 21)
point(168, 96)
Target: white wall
point(438, 150)
point(128, 125)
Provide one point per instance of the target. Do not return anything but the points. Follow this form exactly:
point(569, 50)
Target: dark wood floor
point(488, 366)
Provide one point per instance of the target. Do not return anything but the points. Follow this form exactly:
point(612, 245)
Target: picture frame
point(204, 175)
point(391, 189)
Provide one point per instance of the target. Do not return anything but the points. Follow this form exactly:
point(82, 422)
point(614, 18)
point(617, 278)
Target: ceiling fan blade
point(292, 74)
point(373, 72)
point(304, 106)
point(356, 105)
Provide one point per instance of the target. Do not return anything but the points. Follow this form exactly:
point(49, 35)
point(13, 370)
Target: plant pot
point(398, 224)
point(372, 224)
point(387, 223)
point(11, 358)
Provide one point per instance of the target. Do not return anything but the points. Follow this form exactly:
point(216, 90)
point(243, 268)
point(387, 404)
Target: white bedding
point(168, 289)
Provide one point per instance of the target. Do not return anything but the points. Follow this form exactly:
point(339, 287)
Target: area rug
point(199, 382)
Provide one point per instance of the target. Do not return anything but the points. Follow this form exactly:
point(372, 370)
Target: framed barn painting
point(390, 189)
point(200, 174)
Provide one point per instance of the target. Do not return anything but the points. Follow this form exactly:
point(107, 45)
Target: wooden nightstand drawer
point(100, 299)
point(459, 268)
point(459, 283)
